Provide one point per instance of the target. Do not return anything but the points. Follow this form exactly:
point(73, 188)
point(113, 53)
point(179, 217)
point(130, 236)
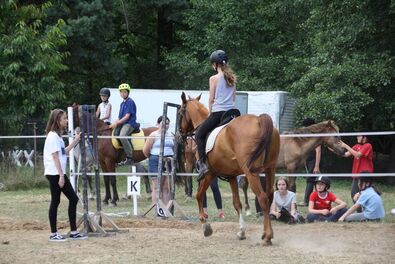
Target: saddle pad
point(211, 138)
point(137, 143)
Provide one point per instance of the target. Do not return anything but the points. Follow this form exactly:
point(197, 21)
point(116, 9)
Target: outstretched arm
point(350, 151)
point(349, 211)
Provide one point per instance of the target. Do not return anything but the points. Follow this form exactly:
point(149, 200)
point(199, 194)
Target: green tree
point(31, 62)
point(349, 64)
point(91, 41)
point(262, 39)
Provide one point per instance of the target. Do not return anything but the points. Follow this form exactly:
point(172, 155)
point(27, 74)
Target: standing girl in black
point(55, 160)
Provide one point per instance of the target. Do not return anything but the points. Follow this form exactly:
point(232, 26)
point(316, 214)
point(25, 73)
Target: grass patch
point(31, 203)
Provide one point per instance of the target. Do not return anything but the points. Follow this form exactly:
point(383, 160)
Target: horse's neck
point(101, 127)
point(199, 118)
point(311, 143)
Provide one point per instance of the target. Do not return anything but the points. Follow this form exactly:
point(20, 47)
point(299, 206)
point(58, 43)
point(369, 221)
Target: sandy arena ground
point(176, 241)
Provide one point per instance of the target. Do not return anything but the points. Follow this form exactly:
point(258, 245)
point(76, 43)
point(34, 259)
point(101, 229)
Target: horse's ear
point(198, 98)
point(183, 98)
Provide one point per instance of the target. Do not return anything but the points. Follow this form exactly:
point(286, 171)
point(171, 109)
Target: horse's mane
point(200, 108)
point(314, 129)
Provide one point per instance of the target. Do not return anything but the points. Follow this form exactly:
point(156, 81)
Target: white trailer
point(149, 104)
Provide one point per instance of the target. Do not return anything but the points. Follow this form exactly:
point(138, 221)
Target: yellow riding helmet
point(124, 86)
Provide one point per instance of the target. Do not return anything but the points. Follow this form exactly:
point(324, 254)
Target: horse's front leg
point(203, 185)
point(237, 205)
point(263, 200)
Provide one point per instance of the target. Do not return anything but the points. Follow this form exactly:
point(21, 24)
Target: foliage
point(335, 57)
point(30, 64)
point(350, 64)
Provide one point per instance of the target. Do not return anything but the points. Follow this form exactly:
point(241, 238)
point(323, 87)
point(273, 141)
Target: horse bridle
point(182, 136)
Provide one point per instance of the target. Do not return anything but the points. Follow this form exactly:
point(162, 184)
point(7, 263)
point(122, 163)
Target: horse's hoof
point(113, 203)
point(248, 212)
point(207, 230)
point(241, 235)
point(105, 202)
point(266, 243)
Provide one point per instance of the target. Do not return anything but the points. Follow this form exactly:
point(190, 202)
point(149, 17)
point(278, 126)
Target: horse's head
point(332, 142)
point(191, 114)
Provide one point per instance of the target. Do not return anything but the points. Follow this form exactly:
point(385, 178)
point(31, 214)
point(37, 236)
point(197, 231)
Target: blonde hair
point(54, 121)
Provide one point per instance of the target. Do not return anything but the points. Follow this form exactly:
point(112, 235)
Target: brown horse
point(189, 159)
point(109, 156)
point(294, 150)
point(248, 145)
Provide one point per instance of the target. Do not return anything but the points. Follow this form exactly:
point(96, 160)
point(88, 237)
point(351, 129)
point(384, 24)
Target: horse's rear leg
point(244, 187)
point(263, 200)
point(107, 187)
point(292, 184)
point(203, 185)
point(188, 186)
point(113, 181)
point(237, 205)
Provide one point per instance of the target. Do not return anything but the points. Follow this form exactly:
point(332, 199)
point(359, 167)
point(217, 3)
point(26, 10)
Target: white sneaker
point(393, 211)
point(57, 238)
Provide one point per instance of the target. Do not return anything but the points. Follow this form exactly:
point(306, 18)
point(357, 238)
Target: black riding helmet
point(323, 179)
point(105, 92)
point(219, 56)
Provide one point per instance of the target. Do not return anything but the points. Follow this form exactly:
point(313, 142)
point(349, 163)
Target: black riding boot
point(202, 169)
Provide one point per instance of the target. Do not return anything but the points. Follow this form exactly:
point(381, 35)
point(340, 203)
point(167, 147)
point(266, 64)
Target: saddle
point(137, 143)
point(229, 116)
point(225, 119)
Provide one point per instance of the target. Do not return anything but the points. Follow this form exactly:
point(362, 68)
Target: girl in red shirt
point(320, 204)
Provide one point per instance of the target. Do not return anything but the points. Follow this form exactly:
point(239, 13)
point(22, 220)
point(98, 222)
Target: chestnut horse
point(248, 145)
point(189, 159)
point(108, 155)
point(294, 150)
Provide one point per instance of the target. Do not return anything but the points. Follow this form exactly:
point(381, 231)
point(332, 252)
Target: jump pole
point(92, 224)
point(71, 153)
point(172, 205)
point(168, 209)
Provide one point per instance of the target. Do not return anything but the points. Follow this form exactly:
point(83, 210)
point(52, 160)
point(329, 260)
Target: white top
point(168, 148)
point(224, 96)
point(103, 108)
point(54, 143)
point(285, 201)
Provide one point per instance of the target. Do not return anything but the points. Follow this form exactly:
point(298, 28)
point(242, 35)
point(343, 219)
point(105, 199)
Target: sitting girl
point(369, 199)
point(283, 207)
point(320, 204)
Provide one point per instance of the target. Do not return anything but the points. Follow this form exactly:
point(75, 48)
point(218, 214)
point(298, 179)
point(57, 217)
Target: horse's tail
point(263, 145)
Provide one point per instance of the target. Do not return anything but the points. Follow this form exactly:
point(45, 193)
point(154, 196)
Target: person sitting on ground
point(320, 204)
point(283, 207)
point(369, 199)
point(126, 122)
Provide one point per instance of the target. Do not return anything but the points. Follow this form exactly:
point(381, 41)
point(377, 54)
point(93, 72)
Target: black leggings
point(55, 200)
point(208, 125)
point(217, 194)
